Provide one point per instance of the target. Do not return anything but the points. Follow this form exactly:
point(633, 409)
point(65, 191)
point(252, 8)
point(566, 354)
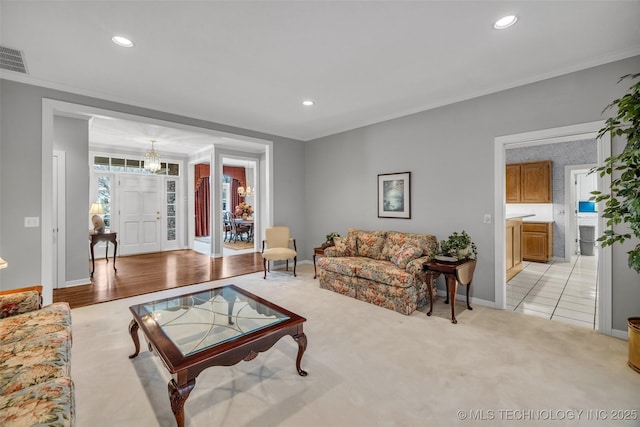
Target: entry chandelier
point(152, 159)
point(242, 192)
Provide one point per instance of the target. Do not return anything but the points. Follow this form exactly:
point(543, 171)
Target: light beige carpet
point(367, 366)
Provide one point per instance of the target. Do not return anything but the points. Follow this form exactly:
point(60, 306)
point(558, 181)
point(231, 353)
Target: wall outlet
point(487, 218)
point(32, 221)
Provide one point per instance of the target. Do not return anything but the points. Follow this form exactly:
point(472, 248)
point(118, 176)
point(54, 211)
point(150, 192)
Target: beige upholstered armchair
point(278, 242)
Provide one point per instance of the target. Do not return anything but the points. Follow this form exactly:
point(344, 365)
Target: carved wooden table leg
point(301, 339)
point(93, 261)
point(133, 331)
point(315, 272)
point(452, 287)
point(115, 253)
point(178, 396)
point(430, 283)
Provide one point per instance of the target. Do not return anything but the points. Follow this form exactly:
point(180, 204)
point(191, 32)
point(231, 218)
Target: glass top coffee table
point(216, 327)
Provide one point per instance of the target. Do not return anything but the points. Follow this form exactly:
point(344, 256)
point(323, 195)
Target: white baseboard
point(71, 283)
point(617, 333)
point(479, 301)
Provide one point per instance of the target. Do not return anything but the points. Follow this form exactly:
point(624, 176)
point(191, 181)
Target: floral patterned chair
point(379, 267)
point(35, 349)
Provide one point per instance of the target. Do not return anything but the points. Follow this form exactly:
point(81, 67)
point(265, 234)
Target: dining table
point(249, 223)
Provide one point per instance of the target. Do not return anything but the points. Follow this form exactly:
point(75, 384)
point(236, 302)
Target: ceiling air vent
point(12, 60)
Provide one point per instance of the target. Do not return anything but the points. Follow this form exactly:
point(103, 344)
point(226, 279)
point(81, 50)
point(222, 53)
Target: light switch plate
point(32, 221)
point(487, 218)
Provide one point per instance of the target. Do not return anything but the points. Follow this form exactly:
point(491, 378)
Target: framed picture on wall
point(394, 195)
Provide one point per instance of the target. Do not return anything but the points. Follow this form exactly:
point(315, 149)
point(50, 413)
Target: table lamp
point(3, 264)
point(97, 209)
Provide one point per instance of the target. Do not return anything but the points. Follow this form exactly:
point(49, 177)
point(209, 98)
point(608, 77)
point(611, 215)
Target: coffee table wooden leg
point(133, 331)
point(301, 339)
point(178, 396)
point(468, 289)
point(452, 287)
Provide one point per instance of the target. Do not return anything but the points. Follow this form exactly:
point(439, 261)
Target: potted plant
point(459, 246)
point(622, 203)
point(329, 240)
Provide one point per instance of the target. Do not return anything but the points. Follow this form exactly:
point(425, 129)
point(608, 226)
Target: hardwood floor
point(141, 274)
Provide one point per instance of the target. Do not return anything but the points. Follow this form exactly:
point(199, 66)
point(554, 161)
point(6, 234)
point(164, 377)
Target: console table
point(108, 236)
point(454, 272)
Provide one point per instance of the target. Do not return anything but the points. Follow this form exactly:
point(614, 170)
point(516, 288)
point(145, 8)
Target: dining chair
point(238, 229)
point(227, 227)
point(278, 248)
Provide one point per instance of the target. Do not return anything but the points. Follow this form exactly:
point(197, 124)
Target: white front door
point(140, 203)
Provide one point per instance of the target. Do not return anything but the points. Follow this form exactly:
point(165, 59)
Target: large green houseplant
point(622, 203)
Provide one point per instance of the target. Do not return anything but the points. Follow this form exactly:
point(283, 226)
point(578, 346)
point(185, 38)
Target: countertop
point(516, 216)
point(529, 218)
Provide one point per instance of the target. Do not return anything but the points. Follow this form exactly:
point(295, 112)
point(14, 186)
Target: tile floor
point(557, 290)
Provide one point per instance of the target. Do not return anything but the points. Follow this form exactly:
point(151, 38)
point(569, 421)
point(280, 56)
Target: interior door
point(140, 203)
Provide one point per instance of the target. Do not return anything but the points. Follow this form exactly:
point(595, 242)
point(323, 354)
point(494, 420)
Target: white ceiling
point(251, 63)
point(111, 133)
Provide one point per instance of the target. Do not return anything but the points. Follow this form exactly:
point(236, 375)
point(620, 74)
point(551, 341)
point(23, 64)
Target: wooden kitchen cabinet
point(537, 241)
point(512, 179)
point(529, 182)
point(514, 247)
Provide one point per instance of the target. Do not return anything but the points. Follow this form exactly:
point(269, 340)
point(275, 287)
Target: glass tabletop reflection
point(201, 320)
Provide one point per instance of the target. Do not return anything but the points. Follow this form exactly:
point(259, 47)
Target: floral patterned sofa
point(379, 267)
point(35, 349)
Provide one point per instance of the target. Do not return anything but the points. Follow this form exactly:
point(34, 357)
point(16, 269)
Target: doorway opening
point(197, 139)
point(240, 205)
point(550, 136)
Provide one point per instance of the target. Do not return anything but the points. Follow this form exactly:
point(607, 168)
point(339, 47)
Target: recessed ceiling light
point(307, 103)
point(122, 41)
point(505, 22)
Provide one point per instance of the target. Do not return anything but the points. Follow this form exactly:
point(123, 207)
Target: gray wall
point(562, 154)
point(450, 152)
point(329, 184)
point(72, 137)
point(21, 180)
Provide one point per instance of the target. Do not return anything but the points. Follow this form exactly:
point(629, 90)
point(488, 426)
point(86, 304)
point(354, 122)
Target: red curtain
point(203, 203)
point(235, 172)
point(238, 178)
point(200, 170)
point(235, 198)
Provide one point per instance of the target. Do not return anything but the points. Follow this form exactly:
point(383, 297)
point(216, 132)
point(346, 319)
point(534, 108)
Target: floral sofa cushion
point(18, 303)
point(349, 266)
point(396, 240)
point(388, 273)
point(344, 246)
point(35, 348)
point(30, 362)
point(370, 243)
point(52, 318)
point(43, 405)
point(408, 252)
